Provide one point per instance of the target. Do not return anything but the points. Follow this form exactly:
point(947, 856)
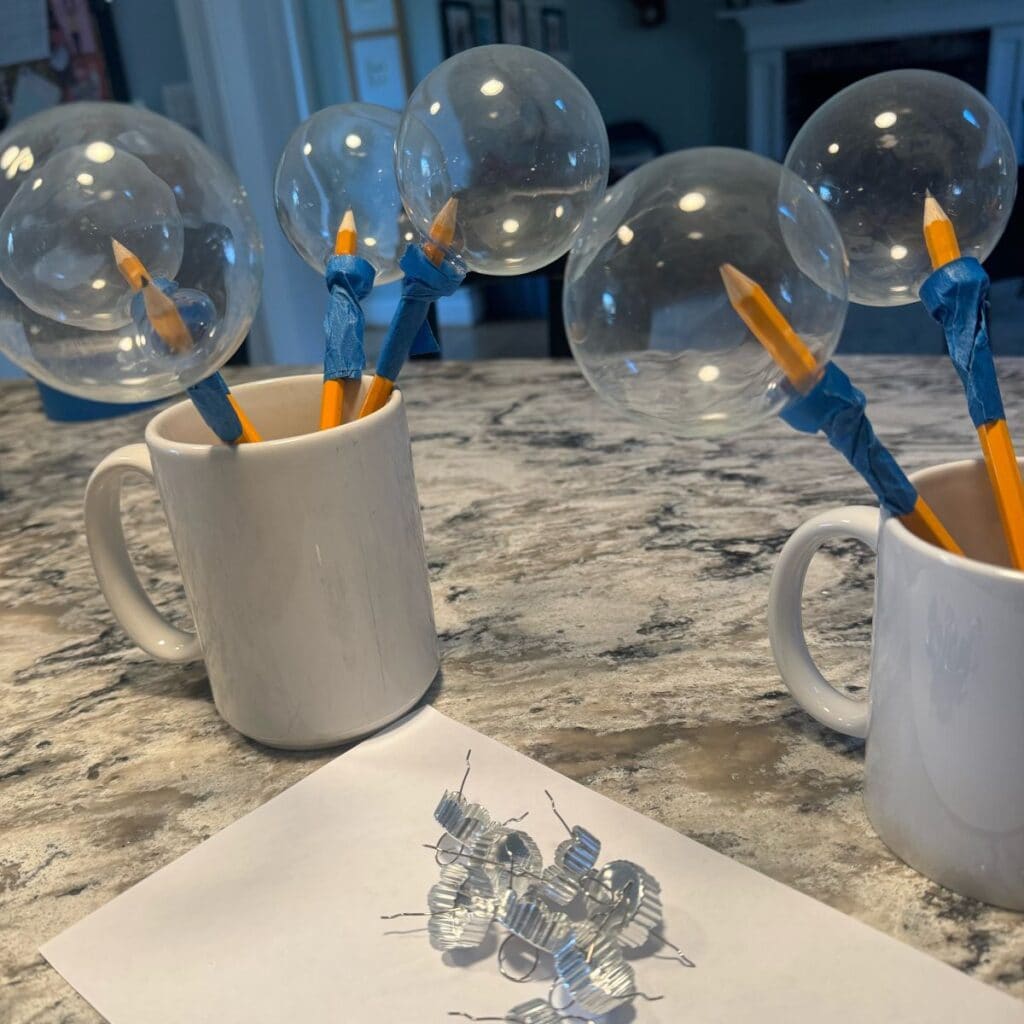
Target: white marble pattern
point(600, 595)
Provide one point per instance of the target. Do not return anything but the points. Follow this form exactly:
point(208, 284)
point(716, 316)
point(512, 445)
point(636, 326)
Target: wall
point(323, 28)
point(151, 49)
point(686, 78)
point(330, 76)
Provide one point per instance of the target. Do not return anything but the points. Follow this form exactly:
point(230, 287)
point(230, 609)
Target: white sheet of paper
point(26, 31)
point(277, 917)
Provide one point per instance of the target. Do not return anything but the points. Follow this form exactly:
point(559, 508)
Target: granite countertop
point(600, 596)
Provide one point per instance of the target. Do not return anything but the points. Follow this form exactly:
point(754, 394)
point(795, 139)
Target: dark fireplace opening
point(814, 75)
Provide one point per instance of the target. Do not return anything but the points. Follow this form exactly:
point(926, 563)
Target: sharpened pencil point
point(442, 231)
point(933, 211)
point(939, 235)
point(737, 285)
point(347, 237)
point(129, 265)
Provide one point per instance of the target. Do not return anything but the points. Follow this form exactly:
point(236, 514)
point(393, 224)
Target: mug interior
point(281, 408)
point(962, 498)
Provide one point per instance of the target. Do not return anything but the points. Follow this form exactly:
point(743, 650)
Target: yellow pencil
point(765, 321)
point(442, 233)
point(166, 320)
point(332, 396)
point(249, 435)
point(996, 444)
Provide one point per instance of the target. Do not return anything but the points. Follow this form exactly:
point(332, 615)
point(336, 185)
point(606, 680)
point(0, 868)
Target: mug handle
point(117, 577)
point(811, 690)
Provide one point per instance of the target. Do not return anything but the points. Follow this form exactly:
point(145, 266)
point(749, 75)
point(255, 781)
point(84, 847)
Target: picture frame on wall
point(512, 22)
point(378, 70)
point(458, 21)
point(378, 59)
point(370, 16)
point(554, 31)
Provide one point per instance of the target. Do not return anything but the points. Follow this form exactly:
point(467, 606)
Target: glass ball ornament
point(66, 311)
point(646, 312)
point(516, 138)
point(873, 153)
point(343, 158)
point(56, 254)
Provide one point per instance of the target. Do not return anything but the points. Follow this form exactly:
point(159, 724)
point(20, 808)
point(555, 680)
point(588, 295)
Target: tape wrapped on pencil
point(836, 408)
point(824, 399)
point(409, 333)
point(349, 280)
point(212, 397)
point(956, 296)
point(428, 277)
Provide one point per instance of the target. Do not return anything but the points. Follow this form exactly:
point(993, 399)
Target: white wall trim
point(816, 22)
point(251, 82)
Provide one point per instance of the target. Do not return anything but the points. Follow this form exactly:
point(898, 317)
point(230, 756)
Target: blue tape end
point(409, 332)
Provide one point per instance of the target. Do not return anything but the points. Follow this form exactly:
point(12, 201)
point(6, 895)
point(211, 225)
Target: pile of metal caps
point(584, 916)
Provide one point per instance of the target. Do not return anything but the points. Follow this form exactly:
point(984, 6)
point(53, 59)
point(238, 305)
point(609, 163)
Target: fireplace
point(800, 54)
point(815, 74)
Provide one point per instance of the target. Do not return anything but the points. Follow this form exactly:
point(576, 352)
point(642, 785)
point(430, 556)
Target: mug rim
point(962, 563)
point(156, 439)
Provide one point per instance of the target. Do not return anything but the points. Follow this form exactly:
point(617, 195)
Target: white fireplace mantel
point(770, 30)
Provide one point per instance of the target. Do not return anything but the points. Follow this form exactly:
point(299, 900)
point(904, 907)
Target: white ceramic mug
point(302, 559)
point(944, 718)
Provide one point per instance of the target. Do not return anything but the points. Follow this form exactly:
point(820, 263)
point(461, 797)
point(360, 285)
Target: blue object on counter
point(70, 409)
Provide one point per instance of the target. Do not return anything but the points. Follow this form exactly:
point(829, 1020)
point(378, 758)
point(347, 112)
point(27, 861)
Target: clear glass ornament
point(55, 233)
point(873, 153)
point(516, 138)
point(646, 311)
point(343, 158)
point(205, 243)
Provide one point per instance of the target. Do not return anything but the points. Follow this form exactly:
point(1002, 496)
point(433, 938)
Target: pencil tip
point(737, 284)
point(348, 222)
point(129, 265)
point(442, 229)
point(932, 210)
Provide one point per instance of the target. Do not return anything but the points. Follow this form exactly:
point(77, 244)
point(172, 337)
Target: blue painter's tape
point(956, 295)
point(209, 396)
point(835, 407)
point(211, 399)
point(349, 280)
point(409, 332)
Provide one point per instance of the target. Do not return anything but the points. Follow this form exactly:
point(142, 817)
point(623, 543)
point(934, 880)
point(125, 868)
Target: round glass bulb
point(55, 251)
point(516, 138)
point(873, 153)
point(343, 158)
point(158, 191)
point(646, 311)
